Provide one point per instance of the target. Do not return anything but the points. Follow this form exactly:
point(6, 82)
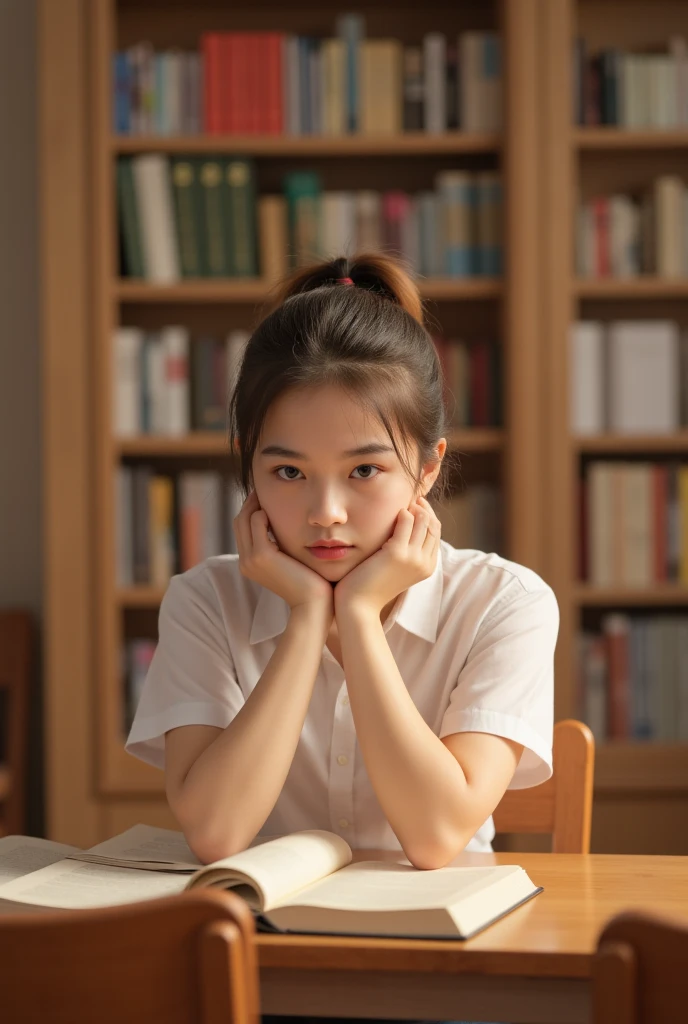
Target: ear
point(431, 470)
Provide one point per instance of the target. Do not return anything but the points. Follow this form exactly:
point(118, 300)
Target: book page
point(145, 846)
point(281, 867)
point(375, 885)
point(75, 886)
point(19, 855)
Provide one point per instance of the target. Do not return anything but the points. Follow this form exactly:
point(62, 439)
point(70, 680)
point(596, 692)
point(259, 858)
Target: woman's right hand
point(260, 559)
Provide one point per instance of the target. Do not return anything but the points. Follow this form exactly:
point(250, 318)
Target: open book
point(304, 882)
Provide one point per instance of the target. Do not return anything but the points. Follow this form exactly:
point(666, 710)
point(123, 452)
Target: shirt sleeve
point(191, 679)
point(506, 686)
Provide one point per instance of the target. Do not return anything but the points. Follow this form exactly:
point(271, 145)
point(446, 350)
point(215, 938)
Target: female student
point(348, 670)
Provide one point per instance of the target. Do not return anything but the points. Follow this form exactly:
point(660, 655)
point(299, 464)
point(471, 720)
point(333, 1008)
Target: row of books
point(613, 86)
point(624, 235)
point(168, 523)
point(634, 523)
point(632, 678)
point(628, 377)
point(165, 383)
point(278, 83)
point(472, 518)
point(473, 382)
point(183, 217)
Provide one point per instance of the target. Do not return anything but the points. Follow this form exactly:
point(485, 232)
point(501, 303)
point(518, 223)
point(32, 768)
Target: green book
point(130, 229)
point(186, 193)
point(302, 190)
point(214, 218)
point(241, 214)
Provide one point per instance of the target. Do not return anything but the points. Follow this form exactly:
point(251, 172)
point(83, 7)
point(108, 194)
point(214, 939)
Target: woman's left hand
point(409, 556)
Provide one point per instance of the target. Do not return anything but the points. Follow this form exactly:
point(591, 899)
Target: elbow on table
point(430, 856)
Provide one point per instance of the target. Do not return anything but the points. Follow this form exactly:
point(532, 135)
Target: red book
point(211, 49)
point(231, 111)
point(274, 119)
point(660, 480)
point(479, 384)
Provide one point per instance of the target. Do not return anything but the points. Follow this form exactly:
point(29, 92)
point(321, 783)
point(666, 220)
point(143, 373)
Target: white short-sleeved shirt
point(474, 643)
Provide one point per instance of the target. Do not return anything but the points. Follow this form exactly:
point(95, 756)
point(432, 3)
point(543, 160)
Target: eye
point(280, 468)
point(366, 466)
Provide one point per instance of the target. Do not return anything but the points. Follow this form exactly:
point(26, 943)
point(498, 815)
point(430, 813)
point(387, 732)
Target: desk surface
point(553, 935)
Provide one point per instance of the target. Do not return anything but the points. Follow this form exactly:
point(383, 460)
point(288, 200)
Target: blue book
point(121, 92)
point(351, 28)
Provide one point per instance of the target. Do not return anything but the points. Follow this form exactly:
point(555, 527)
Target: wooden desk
point(532, 966)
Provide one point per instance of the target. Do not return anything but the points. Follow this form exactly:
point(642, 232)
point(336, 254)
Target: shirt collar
point(417, 613)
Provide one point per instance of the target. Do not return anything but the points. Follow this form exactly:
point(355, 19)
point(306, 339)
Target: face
point(337, 477)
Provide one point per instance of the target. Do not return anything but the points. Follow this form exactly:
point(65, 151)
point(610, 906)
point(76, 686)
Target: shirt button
point(342, 759)
point(345, 701)
point(343, 823)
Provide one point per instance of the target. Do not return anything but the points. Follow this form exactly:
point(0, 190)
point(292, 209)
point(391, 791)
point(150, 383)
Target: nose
point(327, 507)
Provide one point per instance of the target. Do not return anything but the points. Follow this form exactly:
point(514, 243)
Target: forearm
point(419, 783)
point(234, 784)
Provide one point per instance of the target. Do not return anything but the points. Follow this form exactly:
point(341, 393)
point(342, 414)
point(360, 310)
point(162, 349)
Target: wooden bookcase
point(93, 788)
point(641, 789)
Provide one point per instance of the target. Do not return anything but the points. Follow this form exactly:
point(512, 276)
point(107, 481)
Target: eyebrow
point(373, 448)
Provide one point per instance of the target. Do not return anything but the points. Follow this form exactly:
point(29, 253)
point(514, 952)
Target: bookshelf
point(641, 788)
point(93, 788)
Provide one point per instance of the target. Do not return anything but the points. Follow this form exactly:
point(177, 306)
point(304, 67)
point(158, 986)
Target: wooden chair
point(16, 635)
point(184, 959)
point(563, 804)
point(640, 972)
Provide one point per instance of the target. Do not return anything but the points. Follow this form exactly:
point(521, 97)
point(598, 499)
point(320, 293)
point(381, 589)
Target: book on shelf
point(628, 377)
point(615, 86)
point(633, 677)
point(207, 221)
point(632, 524)
point(472, 518)
point(279, 83)
point(304, 882)
point(167, 523)
point(623, 236)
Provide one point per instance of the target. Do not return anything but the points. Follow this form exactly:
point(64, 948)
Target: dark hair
point(368, 339)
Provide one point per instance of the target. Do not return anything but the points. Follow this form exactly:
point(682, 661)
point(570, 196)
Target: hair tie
point(344, 280)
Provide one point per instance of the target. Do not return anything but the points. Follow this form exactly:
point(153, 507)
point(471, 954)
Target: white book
point(624, 226)
point(124, 526)
point(156, 217)
point(174, 342)
point(368, 215)
point(304, 882)
point(643, 369)
point(339, 224)
point(586, 377)
point(126, 402)
point(435, 74)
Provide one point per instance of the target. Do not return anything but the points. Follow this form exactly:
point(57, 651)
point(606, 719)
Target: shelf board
point(209, 442)
point(406, 144)
point(627, 766)
point(139, 596)
point(626, 138)
point(639, 443)
point(641, 287)
point(590, 596)
point(258, 290)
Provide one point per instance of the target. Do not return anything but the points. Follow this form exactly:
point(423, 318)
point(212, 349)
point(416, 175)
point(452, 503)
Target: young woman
point(348, 670)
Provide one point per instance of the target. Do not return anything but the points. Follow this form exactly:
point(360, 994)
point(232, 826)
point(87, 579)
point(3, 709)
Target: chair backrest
point(640, 972)
point(561, 806)
point(16, 629)
point(184, 959)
